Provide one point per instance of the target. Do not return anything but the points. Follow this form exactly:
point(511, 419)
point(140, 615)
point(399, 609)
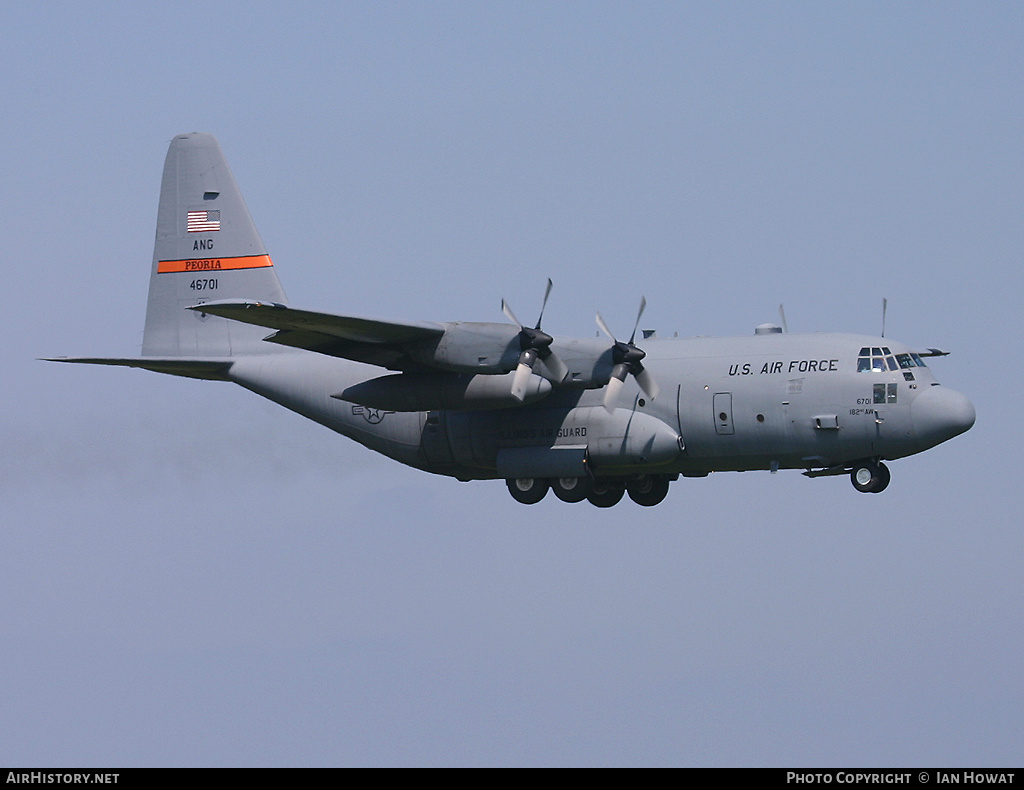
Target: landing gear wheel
point(647, 490)
point(883, 478)
point(528, 490)
point(606, 493)
point(869, 477)
point(571, 489)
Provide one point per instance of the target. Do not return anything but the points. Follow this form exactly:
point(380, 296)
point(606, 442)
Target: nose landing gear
point(870, 477)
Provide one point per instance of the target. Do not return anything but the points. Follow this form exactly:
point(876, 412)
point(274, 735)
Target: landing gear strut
point(870, 477)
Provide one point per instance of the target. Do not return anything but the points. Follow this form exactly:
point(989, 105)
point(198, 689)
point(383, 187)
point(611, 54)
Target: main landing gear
point(645, 490)
point(571, 489)
point(870, 477)
point(528, 490)
point(606, 493)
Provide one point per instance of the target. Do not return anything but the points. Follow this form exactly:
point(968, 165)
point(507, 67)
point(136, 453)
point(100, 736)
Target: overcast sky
point(190, 575)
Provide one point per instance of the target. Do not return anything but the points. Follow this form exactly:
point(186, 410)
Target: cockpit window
point(879, 359)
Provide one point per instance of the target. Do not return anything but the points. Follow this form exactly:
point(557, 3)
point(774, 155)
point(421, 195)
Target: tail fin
point(206, 248)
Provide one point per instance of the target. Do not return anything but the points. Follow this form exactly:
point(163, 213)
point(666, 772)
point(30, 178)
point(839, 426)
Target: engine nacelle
point(471, 347)
point(442, 392)
point(490, 348)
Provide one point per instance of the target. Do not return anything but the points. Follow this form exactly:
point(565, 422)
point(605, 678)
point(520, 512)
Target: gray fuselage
point(775, 401)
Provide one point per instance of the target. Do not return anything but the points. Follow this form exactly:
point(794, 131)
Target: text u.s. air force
point(778, 366)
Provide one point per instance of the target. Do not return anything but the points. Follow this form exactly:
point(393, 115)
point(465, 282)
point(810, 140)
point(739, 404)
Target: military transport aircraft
point(585, 417)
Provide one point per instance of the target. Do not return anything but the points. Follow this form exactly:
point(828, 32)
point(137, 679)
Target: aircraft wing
point(362, 339)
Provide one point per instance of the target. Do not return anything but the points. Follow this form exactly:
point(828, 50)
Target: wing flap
point(385, 356)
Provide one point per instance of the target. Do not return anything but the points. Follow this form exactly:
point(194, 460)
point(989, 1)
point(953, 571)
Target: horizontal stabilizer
point(212, 369)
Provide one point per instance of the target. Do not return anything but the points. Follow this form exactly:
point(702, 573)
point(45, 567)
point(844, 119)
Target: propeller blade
point(544, 304)
point(647, 383)
point(627, 357)
point(509, 314)
point(535, 343)
point(612, 389)
point(782, 317)
point(558, 369)
point(604, 328)
point(640, 312)
point(521, 378)
point(885, 305)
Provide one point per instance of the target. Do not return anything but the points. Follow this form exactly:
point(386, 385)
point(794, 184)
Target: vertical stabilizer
point(206, 248)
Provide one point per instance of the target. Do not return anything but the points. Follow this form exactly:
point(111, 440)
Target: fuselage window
point(885, 393)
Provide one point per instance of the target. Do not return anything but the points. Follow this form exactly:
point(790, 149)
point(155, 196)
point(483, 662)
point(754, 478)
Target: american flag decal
point(203, 221)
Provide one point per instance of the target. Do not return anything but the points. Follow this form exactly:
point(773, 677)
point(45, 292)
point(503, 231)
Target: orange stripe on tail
point(214, 264)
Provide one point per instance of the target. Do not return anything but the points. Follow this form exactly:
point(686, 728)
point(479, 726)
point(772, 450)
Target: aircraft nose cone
point(939, 414)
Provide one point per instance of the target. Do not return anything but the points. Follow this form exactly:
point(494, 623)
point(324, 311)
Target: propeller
point(535, 345)
point(885, 306)
point(627, 359)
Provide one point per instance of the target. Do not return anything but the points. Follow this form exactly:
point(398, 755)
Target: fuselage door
point(434, 439)
point(723, 413)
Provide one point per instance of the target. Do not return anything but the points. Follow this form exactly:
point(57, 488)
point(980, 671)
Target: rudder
point(206, 248)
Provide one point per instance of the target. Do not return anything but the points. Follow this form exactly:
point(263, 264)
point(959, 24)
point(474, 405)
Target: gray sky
point(190, 575)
